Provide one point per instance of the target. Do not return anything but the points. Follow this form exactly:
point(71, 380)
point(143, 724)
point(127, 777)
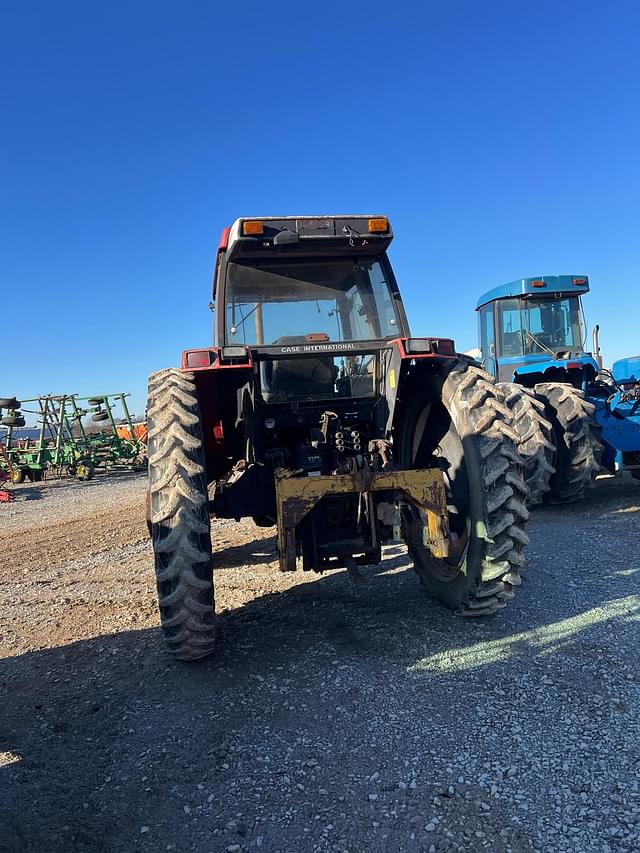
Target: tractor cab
point(532, 330)
point(305, 295)
point(338, 286)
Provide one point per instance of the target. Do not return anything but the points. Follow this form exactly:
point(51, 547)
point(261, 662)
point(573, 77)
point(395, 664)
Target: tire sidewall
point(457, 591)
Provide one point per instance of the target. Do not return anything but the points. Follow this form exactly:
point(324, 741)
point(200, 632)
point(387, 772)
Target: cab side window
point(487, 332)
point(510, 328)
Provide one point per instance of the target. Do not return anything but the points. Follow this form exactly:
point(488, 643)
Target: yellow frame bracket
point(296, 496)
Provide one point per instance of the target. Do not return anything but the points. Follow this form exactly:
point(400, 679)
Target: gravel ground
point(330, 719)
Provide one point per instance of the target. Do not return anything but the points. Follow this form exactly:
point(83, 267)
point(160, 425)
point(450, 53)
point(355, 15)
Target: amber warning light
point(380, 225)
point(253, 228)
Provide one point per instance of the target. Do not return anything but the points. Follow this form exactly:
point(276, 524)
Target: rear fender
point(620, 422)
point(410, 373)
point(575, 371)
point(626, 371)
point(217, 383)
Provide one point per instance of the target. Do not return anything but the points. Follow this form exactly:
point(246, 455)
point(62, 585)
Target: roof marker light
point(252, 227)
point(538, 283)
point(379, 225)
point(579, 282)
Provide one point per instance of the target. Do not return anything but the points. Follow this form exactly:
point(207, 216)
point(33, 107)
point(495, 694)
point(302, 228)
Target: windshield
point(338, 300)
point(530, 326)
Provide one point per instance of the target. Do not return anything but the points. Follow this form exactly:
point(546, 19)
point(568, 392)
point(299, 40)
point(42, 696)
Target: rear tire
point(577, 439)
point(179, 517)
point(535, 439)
point(469, 431)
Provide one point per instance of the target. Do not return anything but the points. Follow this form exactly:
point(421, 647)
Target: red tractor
point(315, 410)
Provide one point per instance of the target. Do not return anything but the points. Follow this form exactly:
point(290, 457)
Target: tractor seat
point(297, 377)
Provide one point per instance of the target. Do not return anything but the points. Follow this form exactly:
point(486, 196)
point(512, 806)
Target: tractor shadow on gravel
point(97, 736)
point(257, 552)
point(82, 724)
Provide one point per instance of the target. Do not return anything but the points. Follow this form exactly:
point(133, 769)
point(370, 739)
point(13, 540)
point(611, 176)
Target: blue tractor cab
point(574, 419)
point(532, 330)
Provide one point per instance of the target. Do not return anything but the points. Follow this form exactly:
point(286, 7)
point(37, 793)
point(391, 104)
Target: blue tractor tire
point(577, 438)
point(535, 439)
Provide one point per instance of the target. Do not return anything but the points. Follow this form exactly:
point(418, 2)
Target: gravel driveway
point(331, 719)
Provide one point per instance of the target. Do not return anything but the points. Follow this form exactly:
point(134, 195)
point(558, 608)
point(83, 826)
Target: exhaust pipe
point(596, 345)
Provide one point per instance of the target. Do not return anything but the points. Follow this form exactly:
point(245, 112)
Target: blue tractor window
point(487, 334)
point(510, 328)
point(535, 325)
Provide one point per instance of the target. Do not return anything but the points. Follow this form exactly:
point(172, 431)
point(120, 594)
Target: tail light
point(227, 353)
point(199, 358)
point(446, 346)
point(417, 345)
point(423, 346)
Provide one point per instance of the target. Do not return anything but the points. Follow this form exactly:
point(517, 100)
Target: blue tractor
point(574, 419)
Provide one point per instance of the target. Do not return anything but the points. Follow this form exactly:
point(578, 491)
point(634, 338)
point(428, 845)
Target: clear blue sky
point(502, 138)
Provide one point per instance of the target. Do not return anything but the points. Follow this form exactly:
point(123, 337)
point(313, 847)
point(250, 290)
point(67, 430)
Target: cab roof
point(264, 236)
point(541, 285)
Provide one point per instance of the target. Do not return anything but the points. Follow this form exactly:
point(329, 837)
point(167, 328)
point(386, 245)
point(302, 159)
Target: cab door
point(487, 329)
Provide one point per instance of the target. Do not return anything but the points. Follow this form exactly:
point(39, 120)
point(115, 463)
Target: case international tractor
point(316, 411)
